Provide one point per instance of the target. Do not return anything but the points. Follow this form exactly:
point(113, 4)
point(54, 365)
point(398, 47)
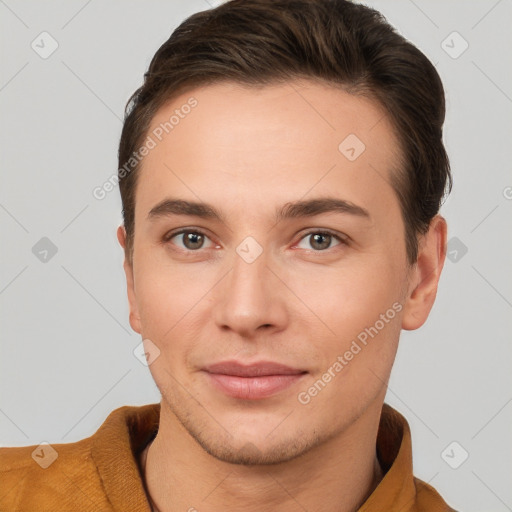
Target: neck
point(337, 476)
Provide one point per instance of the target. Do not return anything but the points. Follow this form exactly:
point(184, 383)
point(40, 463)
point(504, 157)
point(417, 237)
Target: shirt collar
point(396, 491)
point(116, 449)
point(117, 444)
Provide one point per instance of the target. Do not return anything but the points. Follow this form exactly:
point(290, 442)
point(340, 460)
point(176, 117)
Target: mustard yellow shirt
point(102, 473)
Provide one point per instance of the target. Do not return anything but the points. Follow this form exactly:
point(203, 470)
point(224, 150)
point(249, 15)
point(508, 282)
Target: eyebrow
point(291, 210)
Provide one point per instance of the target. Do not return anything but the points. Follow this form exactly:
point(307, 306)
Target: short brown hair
point(264, 42)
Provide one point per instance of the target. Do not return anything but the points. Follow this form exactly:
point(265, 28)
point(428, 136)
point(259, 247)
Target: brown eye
point(193, 240)
point(319, 241)
point(188, 240)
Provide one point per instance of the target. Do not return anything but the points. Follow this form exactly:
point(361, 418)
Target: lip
point(252, 381)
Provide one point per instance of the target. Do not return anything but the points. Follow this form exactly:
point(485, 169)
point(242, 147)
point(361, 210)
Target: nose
point(250, 299)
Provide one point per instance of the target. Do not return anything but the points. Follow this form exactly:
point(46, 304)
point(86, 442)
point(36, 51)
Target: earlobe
point(130, 284)
point(425, 275)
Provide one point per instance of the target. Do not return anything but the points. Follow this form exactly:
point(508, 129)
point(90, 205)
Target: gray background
point(67, 348)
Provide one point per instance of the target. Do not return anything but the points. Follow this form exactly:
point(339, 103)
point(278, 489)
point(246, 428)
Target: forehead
point(268, 142)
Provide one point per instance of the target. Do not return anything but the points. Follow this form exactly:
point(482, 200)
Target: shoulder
point(91, 474)
point(428, 499)
point(43, 456)
point(48, 477)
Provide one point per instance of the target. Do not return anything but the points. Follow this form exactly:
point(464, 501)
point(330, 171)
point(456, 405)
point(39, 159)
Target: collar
point(117, 445)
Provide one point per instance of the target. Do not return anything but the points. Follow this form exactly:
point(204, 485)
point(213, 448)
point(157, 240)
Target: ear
point(128, 270)
point(425, 274)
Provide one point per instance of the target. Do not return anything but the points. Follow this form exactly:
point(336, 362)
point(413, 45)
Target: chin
point(247, 437)
point(250, 454)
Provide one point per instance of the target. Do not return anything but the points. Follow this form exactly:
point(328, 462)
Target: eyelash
point(342, 240)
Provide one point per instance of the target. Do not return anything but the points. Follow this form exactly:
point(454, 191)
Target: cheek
point(162, 297)
point(363, 309)
point(167, 301)
point(349, 299)
point(171, 297)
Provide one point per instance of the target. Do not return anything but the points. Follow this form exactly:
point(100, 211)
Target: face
point(269, 268)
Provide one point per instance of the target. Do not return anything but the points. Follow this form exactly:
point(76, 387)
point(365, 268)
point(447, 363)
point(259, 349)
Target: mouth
point(252, 381)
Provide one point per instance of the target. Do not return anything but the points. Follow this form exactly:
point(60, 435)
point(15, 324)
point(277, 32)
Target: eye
point(320, 240)
point(189, 240)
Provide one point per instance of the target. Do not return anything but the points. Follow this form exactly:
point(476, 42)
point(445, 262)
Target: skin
point(248, 152)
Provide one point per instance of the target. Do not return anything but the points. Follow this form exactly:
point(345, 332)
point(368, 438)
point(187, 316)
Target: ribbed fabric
point(101, 473)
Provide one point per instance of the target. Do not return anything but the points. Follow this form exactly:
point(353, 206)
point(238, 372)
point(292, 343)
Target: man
point(281, 171)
